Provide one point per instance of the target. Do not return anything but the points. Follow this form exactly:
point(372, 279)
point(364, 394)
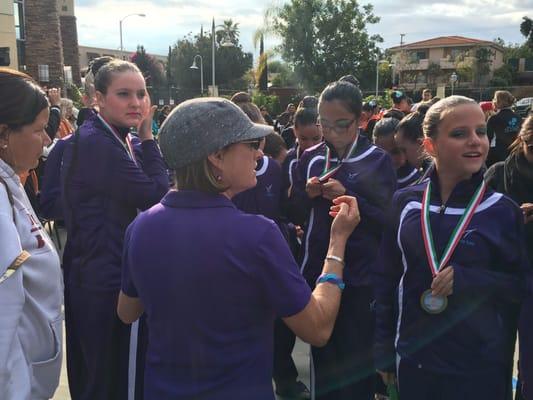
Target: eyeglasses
point(254, 144)
point(339, 126)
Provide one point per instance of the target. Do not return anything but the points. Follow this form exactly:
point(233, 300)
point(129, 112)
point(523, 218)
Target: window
point(417, 55)
point(528, 66)
point(64, 8)
point(18, 13)
point(67, 73)
point(452, 53)
point(44, 73)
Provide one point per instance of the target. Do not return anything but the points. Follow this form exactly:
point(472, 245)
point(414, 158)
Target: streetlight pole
point(120, 27)
point(226, 43)
point(377, 75)
point(194, 66)
point(453, 79)
point(213, 58)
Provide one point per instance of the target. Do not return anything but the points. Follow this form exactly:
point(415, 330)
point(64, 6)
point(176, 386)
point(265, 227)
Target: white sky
point(168, 20)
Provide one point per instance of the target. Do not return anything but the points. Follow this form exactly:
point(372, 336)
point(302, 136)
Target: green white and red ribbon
point(128, 146)
point(328, 171)
point(457, 233)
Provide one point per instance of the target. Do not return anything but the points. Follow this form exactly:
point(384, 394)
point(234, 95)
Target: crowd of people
point(200, 243)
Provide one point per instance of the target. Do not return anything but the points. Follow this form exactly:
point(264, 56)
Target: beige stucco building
point(8, 35)
point(87, 53)
point(433, 61)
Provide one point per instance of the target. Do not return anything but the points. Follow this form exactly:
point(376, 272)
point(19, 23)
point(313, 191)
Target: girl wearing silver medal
point(451, 276)
point(346, 162)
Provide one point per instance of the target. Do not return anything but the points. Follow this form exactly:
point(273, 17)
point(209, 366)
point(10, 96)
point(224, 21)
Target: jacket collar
point(462, 192)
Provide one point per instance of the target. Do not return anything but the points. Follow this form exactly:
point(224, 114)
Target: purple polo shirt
point(212, 280)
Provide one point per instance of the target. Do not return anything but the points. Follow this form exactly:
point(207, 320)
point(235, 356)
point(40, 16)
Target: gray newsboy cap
point(199, 127)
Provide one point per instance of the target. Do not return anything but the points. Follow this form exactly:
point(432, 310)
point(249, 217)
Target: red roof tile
point(443, 41)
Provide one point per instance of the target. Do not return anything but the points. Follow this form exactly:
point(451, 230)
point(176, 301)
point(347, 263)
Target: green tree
point(512, 53)
point(433, 72)
point(325, 39)
point(152, 69)
point(232, 63)
point(502, 76)
point(229, 30)
point(262, 67)
point(282, 73)
point(526, 29)
point(169, 65)
point(385, 74)
point(481, 67)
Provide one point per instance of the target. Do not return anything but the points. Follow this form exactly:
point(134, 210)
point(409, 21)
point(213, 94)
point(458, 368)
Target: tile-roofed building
point(431, 62)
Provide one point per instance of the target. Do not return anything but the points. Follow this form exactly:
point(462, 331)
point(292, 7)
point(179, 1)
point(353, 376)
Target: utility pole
point(401, 59)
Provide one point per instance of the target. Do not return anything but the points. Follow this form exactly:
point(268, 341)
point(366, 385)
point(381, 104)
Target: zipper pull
point(442, 208)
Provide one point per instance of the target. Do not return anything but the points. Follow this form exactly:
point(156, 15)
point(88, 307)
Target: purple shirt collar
point(195, 199)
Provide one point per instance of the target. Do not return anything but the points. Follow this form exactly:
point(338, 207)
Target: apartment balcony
point(446, 63)
point(421, 65)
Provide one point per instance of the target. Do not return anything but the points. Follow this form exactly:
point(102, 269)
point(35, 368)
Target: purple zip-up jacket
point(407, 175)
point(368, 175)
point(103, 189)
point(263, 199)
point(477, 331)
point(295, 212)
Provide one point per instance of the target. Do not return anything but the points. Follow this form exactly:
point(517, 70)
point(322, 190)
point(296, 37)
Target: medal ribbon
point(328, 171)
point(457, 233)
point(127, 146)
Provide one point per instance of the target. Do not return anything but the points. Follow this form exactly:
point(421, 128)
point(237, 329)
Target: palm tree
point(526, 29)
point(229, 30)
point(264, 31)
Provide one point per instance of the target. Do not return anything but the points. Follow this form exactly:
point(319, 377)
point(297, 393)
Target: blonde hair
point(66, 105)
point(503, 99)
point(527, 129)
point(198, 176)
point(88, 85)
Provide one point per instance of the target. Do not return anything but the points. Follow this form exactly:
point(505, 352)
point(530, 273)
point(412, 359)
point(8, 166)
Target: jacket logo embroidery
point(36, 227)
point(352, 175)
point(465, 239)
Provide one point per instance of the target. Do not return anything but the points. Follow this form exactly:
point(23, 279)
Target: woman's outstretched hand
point(345, 213)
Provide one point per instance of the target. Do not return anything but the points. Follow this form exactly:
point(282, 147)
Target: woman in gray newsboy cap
point(211, 278)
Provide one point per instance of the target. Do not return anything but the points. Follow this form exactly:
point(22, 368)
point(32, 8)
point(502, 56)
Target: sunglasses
point(254, 144)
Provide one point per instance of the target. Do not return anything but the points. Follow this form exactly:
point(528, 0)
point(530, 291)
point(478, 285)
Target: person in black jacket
point(54, 96)
point(502, 127)
point(514, 177)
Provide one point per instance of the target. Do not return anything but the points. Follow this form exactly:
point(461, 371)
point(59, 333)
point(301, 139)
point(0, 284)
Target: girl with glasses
point(345, 163)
